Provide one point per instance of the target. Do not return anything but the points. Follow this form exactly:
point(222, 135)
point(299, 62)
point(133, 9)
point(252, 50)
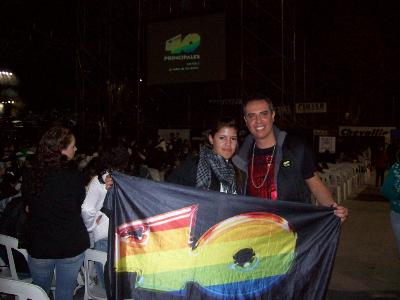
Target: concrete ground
point(367, 263)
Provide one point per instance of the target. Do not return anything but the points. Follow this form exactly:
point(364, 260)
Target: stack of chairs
point(344, 179)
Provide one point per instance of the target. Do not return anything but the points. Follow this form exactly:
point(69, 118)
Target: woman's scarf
point(212, 162)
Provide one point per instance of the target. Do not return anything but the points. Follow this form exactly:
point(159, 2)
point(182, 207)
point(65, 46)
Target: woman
point(111, 158)
point(213, 169)
point(54, 190)
point(391, 190)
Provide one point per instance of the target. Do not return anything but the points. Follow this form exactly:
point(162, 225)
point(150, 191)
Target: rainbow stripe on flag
point(242, 255)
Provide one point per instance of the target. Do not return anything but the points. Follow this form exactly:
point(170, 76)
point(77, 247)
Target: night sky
point(355, 50)
point(352, 50)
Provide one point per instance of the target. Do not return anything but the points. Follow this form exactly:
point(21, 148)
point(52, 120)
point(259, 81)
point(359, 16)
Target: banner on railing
point(174, 242)
point(365, 131)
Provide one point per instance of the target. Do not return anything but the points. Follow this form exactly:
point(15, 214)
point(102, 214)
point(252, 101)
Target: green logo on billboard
point(188, 44)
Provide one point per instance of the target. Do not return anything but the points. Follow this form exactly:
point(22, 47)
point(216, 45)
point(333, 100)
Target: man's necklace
point(252, 168)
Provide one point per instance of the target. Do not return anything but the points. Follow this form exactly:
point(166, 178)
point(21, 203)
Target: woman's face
point(70, 150)
point(224, 142)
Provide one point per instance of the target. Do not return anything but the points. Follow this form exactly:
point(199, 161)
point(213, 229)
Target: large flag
point(174, 242)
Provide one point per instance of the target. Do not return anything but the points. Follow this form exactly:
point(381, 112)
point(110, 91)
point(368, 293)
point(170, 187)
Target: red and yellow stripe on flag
point(247, 253)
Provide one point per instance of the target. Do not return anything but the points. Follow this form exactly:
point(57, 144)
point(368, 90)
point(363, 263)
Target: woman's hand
point(108, 181)
point(98, 219)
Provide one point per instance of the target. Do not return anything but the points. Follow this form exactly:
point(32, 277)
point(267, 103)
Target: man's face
point(259, 119)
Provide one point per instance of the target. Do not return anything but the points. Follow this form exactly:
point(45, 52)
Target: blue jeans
point(67, 270)
point(100, 245)
point(395, 219)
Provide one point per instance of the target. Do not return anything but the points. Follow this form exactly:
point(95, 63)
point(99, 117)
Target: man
point(278, 166)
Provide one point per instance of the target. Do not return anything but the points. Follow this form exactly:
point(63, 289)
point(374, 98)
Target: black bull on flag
point(174, 242)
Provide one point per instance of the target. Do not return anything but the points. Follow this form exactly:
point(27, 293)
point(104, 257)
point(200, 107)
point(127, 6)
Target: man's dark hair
point(257, 96)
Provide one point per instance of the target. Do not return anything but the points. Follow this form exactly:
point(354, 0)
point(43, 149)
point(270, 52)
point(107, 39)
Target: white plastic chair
point(11, 273)
point(11, 244)
point(93, 290)
point(23, 290)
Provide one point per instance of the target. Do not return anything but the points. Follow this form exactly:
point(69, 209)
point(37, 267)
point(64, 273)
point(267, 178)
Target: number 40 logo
point(244, 255)
point(188, 44)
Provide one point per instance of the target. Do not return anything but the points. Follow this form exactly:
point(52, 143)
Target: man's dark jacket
point(289, 157)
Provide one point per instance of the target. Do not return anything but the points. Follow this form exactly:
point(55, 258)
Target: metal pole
point(110, 82)
point(294, 75)
point(282, 54)
point(138, 70)
point(294, 66)
point(241, 51)
point(304, 69)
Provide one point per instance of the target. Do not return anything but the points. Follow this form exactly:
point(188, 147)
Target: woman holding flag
point(213, 169)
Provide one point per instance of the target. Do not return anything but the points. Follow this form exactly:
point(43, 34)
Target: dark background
point(84, 59)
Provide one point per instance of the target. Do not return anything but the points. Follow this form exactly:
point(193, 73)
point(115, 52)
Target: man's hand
point(341, 212)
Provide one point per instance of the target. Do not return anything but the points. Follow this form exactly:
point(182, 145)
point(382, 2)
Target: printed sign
point(311, 107)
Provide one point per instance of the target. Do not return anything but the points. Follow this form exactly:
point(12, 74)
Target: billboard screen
point(186, 50)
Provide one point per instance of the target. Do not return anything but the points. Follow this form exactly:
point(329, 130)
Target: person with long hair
point(54, 190)
point(113, 157)
point(213, 169)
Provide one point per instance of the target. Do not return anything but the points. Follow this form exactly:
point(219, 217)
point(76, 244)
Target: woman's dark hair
point(223, 122)
point(113, 157)
point(50, 146)
point(49, 156)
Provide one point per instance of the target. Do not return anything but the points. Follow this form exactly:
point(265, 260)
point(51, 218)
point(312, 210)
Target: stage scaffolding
point(269, 54)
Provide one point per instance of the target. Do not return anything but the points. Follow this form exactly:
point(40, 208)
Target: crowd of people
point(51, 199)
point(59, 195)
